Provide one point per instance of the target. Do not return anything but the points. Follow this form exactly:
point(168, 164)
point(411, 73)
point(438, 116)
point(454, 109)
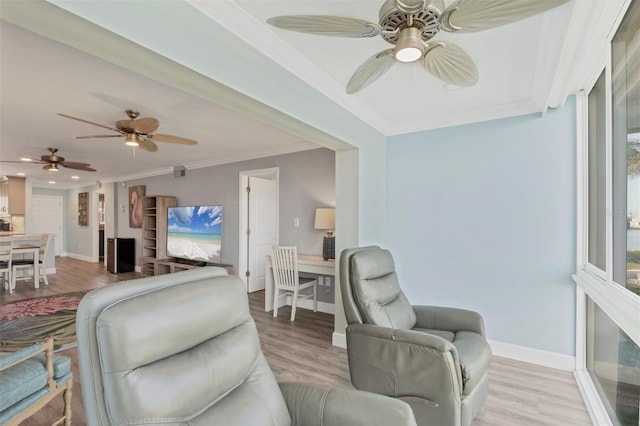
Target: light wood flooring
point(520, 393)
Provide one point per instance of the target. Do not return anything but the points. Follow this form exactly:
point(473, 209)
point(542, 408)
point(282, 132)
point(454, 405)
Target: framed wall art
point(83, 209)
point(135, 205)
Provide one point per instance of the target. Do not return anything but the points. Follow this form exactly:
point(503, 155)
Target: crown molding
point(585, 48)
point(523, 107)
point(236, 158)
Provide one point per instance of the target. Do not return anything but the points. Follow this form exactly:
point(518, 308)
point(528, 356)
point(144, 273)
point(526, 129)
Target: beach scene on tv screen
point(195, 233)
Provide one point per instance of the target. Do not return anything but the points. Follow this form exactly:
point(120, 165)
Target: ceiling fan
point(137, 131)
point(52, 161)
point(410, 25)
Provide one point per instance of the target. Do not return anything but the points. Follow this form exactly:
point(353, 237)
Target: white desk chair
point(284, 262)
point(5, 254)
point(16, 263)
point(45, 242)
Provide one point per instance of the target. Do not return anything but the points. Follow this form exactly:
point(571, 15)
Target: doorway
point(97, 221)
point(258, 230)
point(46, 218)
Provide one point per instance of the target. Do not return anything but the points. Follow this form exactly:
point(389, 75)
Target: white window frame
point(620, 304)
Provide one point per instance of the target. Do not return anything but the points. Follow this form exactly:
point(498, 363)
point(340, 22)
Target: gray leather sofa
point(182, 349)
point(434, 358)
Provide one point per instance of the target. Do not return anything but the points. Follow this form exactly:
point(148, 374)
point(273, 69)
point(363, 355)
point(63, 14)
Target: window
point(608, 296)
point(625, 81)
point(597, 175)
point(613, 362)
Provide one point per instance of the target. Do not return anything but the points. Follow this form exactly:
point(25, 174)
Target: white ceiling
point(517, 64)
point(41, 77)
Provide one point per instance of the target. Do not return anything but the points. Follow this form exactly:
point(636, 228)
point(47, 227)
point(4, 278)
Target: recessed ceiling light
point(20, 174)
point(25, 159)
point(51, 182)
point(75, 177)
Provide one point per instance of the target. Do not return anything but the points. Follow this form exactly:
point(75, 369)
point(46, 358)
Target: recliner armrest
point(326, 405)
point(399, 363)
point(448, 319)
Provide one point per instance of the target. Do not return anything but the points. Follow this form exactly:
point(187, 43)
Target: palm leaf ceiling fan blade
point(52, 160)
point(78, 166)
point(137, 131)
point(478, 15)
point(89, 122)
point(160, 137)
point(30, 161)
point(371, 70)
point(450, 63)
point(72, 164)
point(337, 26)
point(99, 136)
point(139, 125)
point(147, 145)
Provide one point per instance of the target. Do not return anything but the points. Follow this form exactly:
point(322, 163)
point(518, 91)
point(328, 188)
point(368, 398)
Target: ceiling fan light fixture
point(52, 168)
point(409, 47)
point(132, 139)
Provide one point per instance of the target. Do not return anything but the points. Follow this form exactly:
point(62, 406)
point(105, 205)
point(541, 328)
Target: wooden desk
point(309, 263)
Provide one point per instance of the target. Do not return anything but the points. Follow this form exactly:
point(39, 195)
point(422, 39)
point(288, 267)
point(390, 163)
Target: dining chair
point(284, 262)
point(19, 263)
point(5, 252)
point(45, 242)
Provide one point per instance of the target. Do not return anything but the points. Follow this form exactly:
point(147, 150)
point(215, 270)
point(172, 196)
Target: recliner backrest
point(374, 289)
point(185, 352)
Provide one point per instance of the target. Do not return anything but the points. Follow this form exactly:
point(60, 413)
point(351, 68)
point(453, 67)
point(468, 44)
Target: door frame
point(272, 173)
point(95, 226)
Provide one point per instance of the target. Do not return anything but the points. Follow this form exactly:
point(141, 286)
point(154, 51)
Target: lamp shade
point(325, 219)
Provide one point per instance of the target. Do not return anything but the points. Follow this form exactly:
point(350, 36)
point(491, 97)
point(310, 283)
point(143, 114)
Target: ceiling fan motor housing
point(53, 158)
point(393, 20)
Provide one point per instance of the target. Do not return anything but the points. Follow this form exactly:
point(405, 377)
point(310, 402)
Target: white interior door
point(262, 221)
point(46, 217)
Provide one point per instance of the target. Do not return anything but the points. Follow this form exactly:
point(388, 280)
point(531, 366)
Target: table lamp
point(326, 219)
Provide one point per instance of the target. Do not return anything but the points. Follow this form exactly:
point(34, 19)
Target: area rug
point(27, 321)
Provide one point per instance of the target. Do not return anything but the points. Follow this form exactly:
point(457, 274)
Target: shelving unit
point(154, 230)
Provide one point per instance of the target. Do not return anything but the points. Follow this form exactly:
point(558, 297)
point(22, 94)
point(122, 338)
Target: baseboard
point(327, 308)
point(339, 340)
point(138, 268)
point(533, 356)
point(80, 257)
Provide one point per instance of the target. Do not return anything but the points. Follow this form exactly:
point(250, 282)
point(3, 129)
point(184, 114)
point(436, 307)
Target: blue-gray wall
point(482, 216)
point(307, 181)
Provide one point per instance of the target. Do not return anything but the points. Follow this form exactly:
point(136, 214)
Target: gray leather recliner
point(434, 358)
point(182, 349)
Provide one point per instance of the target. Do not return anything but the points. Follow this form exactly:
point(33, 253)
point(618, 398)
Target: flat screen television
point(195, 233)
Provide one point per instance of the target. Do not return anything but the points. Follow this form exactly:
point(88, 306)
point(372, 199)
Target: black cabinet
point(121, 255)
point(101, 243)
